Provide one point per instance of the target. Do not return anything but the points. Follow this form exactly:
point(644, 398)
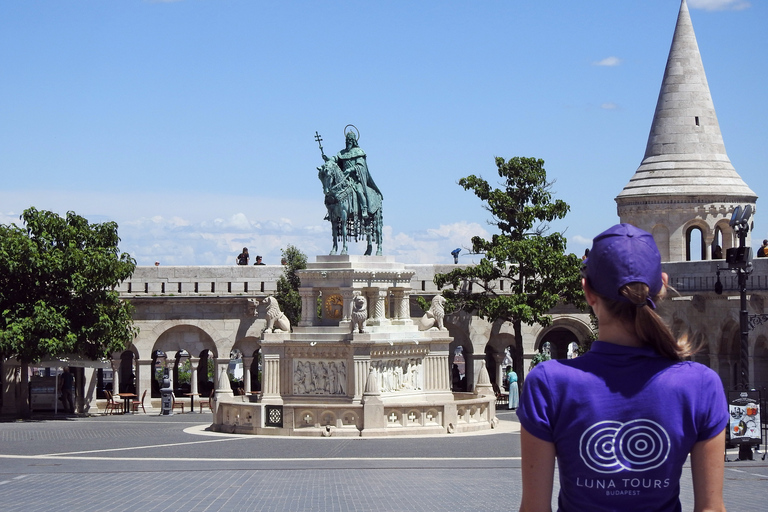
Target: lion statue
point(359, 312)
point(276, 319)
point(433, 319)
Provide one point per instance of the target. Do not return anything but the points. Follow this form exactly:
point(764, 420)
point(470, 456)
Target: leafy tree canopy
point(288, 285)
point(57, 288)
point(532, 262)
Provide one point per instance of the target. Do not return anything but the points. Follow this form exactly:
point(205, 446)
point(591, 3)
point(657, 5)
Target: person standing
point(243, 257)
point(67, 385)
point(622, 419)
point(514, 395)
point(762, 252)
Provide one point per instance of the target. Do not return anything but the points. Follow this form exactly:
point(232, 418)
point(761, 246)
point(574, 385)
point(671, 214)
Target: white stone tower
point(686, 186)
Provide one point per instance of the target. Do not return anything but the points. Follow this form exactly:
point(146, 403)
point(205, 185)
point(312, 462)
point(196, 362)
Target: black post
point(739, 260)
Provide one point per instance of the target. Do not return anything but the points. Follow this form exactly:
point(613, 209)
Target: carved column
point(378, 316)
point(398, 294)
point(402, 307)
point(194, 362)
point(437, 376)
point(115, 363)
point(362, 367)
point(347, 294)
point(308, 307)
point(271, 378)
point(247, 378)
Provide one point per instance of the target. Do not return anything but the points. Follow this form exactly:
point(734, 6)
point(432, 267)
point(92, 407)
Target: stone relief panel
point(317, 377)
point(397, 375)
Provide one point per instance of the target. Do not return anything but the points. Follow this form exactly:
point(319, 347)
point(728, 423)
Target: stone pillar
point(145, 372)
point(115, 363)
point(271, 379)
point(402, 314)
point(308, 307)
point(436, 372)
point(194, 362)
point(347, 294)
point(88, 398)
point(362, 368)
point(378, 313)
point(398, 295)
point(247, 362)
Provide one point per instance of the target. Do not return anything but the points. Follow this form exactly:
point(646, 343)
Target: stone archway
point(182, 343)
point(559, 337)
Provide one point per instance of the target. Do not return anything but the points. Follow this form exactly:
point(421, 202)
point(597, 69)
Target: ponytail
point(648, 325)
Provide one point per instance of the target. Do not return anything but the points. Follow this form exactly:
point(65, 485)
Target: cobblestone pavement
point(168, 463)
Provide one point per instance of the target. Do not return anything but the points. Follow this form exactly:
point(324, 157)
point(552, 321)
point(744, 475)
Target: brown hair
point(649, 327)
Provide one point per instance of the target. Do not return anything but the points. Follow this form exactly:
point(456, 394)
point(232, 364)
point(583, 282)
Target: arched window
point(694, 244)
point(717, 245)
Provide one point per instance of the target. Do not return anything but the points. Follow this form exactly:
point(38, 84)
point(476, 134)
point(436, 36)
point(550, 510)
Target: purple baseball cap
point(621, 255)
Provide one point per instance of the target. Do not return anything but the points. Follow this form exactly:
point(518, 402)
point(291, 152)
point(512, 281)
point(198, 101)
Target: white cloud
point(201, 229)
point(609, 106)
point(608, 62)
point(719, 5)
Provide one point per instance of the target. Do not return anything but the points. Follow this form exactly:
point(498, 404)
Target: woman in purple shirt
point(622, 419)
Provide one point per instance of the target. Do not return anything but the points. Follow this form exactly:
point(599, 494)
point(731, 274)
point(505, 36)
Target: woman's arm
point(708, 468)
point(538, 465)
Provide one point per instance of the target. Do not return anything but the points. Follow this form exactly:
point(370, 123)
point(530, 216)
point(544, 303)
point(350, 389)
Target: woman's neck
point(613, 331)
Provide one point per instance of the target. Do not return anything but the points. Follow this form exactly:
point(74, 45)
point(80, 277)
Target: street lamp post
point(739, 261)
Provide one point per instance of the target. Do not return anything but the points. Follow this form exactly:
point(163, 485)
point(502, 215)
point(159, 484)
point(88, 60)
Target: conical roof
point(685, 155)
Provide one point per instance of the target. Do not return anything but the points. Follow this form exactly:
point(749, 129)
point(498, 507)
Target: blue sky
point(191, 123)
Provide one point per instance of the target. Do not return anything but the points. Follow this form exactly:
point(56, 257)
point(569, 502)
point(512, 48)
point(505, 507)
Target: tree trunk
point(518, 357)
point(22, 404)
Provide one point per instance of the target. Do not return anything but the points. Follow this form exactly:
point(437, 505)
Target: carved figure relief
point(399, 374)
point(319, 377)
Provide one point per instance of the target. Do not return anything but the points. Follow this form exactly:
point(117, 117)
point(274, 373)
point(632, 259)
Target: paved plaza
point(166, 463)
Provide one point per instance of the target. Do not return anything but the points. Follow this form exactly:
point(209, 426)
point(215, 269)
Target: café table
point(127, 397)
point(191, 400)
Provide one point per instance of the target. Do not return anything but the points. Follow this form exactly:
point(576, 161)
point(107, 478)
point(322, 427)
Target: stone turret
point(686, 185)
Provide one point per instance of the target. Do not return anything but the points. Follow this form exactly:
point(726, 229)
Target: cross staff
point(319, 140)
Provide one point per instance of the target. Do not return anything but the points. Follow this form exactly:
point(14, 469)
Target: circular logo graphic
point(612, 446)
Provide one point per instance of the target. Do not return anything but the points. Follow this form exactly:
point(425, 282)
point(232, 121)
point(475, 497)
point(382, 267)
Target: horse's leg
point(335, 235)
point(379, 234)
point(344, 232)
point(369, 247)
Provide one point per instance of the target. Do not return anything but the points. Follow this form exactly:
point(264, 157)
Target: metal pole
point(744, 321)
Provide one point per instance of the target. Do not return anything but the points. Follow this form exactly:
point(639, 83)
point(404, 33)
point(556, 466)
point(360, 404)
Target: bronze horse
point(344, 210)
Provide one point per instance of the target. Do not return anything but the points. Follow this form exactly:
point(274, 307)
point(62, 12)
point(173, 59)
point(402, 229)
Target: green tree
point(288, 285)
point(531, 261)
point(57, 290)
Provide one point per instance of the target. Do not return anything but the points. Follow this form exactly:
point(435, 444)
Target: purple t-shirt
point(623, 420)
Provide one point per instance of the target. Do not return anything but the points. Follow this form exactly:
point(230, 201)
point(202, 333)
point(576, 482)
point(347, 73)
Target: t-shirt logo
point(613, 446)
